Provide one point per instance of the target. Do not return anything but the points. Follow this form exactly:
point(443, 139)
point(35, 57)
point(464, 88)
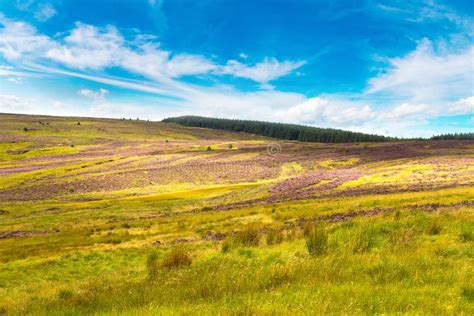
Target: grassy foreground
point(130, 217)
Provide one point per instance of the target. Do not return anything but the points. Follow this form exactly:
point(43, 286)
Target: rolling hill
point(104, 216)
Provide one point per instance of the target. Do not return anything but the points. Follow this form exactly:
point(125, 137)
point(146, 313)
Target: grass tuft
point(317, 241)
point(363, 240)
point(177, 258)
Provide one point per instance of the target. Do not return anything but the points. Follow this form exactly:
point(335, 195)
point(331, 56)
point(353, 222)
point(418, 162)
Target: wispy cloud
point(87, 47)
point(97, 96)
point(263, 72)
point(45, 12)
point(426, 74)
point(463, 106)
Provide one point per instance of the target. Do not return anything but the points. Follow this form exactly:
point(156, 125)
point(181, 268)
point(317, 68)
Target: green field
point(102, 216)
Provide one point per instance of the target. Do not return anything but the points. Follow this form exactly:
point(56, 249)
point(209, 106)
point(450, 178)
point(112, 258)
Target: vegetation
point(140, 218)
point(458, 136)
point(278, 130)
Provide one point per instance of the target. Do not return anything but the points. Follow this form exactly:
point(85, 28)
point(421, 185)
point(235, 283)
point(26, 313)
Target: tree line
point(457, 136)
point(278, 130)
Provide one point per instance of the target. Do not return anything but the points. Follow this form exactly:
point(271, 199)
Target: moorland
point(107, 216)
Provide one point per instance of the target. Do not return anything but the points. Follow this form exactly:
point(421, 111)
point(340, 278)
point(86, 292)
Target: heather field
point(106, 217)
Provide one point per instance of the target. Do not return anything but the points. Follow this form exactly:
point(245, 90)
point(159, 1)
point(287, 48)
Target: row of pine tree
point(278, 130)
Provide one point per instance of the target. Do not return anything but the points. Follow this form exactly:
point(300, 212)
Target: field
point(132, 217)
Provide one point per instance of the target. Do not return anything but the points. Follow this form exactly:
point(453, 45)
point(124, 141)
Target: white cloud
point(97, 96)
point(13, 104)
point(155, 3)
point(407, 109)
point(428, 10)
point(17, 80)
point(10, 71)
point(327, 110)
point(20, 40)
point(463, 106)
point(243, 56)
point(426, 75)
point(44, 12)
point(154, 63)
point(88, 47)
point(23, 5)
point(263, 72)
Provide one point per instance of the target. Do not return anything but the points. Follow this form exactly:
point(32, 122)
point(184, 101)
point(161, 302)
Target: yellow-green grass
point(407, 269)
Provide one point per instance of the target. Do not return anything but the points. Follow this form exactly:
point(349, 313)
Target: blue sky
point(400, 68)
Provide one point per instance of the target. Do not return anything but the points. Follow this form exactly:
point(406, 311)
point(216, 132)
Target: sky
point(396, 68)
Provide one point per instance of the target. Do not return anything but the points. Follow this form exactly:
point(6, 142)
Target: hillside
point(103, 216)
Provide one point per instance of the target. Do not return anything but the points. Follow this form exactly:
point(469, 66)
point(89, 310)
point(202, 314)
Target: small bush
point(177, 258)
point(78, 123)
point(231, 146)
point(25, 129)
point(317, 241)
point(209, 148)
point(274, 237)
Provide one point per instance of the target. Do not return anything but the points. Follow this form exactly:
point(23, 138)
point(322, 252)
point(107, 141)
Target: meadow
point(130, 217)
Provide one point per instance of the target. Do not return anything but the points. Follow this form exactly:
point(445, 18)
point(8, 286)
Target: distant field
point(102, 216)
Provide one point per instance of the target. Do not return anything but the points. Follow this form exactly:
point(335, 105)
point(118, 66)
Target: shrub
point(274, 237)
point(78, 123)
point(209, 148)
point(25, 129)
point(230, 146)
point(317, 241)
point(178, 257)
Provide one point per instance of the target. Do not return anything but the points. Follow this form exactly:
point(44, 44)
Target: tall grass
point(283, 277)
point(317, 241)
